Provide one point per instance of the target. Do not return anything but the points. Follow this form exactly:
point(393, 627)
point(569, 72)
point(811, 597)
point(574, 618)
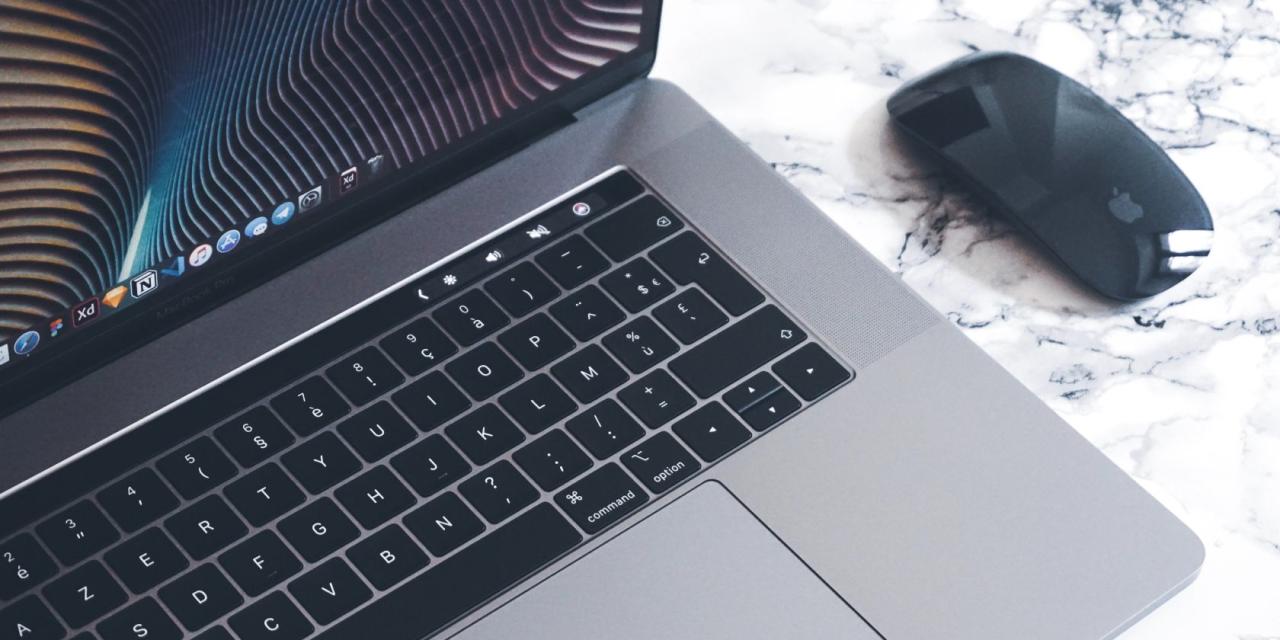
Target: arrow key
point(741, 397)
point(811, 371)
point(770, 410)
point(711, 431)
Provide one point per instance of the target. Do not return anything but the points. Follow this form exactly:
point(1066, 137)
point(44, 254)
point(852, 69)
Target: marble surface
point(1182, 391)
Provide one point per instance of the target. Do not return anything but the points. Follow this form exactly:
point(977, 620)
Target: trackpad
point(703, 567)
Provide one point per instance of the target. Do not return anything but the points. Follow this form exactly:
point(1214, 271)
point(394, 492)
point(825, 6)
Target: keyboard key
point(498, 492)
point(470, 317)
point(77, 533)
point(640, 344)
point(605, 429)
point(196, 467)
point(85, 594)
point(656, 399)
point(444, 524)
point(552, 460)
point(687, 258)
point(318, 529)
point(690, 316)
point(418, 346)
point(142, 619)
point(634, 228)
point(484, 434)
point(430, 466)
point(602, 498)
point(432, 401)
point(29, 619)
point(365, 376)
point(310, 406)
point(661, 463)
point(637, 285)
point(253, 437)
point(375, 497)
point(377, 432)
point(205, 528)
point(146, 560)
point(589, 373)
point(387, 557)
point(736, 351)
point(321, 462)
point(464, 581)
point(587, 313)
point(259, 563)
point(572, 262)
point(138, 500)
point(484, 371)
point(711, 431)
point(748, 393)
point(522, 289)
point(536, 342)
point(330, 591)
point(274, 617)
point(537, 403)
point(23, 565)
point(770, 410)
point(264, 495)
point(200, 597)
point(811, 371)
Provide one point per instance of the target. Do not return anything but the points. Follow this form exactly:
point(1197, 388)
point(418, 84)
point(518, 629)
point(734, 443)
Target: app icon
point(84, 312)
point(114, 297)
point(375, 165)
point(229, 241)
point(200, 255)
point(283, 213)
point(175, 268)
point(581, 209)
point(256, 227)
point(26, 343)
point(54, 327)
point(348, 180)
point(4, 354)
point(310, 199)
point(144, 283)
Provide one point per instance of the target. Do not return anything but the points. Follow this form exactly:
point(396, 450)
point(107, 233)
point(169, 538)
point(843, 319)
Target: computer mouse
point(1063, 166)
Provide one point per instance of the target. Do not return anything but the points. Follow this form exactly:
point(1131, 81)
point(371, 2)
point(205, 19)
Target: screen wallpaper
point(132, 131)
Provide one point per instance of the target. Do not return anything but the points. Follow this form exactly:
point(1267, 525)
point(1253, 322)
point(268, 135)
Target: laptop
point(436, 318)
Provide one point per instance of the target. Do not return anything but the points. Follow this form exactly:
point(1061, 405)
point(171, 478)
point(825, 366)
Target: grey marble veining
point(1183, 390)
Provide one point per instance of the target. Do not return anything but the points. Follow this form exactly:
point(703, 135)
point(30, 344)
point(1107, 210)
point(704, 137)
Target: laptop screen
point(147, 142)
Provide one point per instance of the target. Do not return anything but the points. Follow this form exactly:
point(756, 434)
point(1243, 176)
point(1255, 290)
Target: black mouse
point(1063, 166)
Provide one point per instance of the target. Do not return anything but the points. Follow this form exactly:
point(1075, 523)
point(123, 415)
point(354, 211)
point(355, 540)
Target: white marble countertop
point(1182, 391)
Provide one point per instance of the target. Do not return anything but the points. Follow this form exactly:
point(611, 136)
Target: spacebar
point(431, 601)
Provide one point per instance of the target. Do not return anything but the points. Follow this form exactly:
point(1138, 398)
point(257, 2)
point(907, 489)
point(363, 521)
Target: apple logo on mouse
point(1123, 207)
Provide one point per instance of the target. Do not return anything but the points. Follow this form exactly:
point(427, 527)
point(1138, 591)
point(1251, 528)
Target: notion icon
point(311, 199)
point(144, 283)
point(114, 297)
point(85, 312)
point(200, 255)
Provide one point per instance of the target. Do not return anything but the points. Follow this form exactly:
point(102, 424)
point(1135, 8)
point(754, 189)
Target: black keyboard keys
point(761, 401)
point(253, 437)
point(661, 463)
point(418, 346)
point(637, 285)
point(432, 401)
point(205, 527)
point(640, 344)
point(536, 342)
point(587, 313)
point(196, 467)
point(634, 228)
point(264, 495)
point(200, 597)
point(811, 371)
point(77, 533)
point(736, 351)
point(572, 262)
point(498, 492)
point(602, 498)
point(259, 563)
point(330, 591)
point(430, 465)
point(23, 565)
point(443, 524)
point(656, 398)
point(605, 429)
point(375, 497)
point(138, 500)
point(29, 619)
point(310, 406)
point(552, 460)
point(537, 403)
point(321, 462)
point(470, 317)
point(484, 434)
point(142, 619)
point(751, 390)
point(85, 594)
point(365, 376)
point(484, 371)
point(274, 617)
point(318, 529)
point(687, 258)
point(589, 374)
point(146, 560)
point(690, 316)
point(711, 431)
point(522, 289)
point(377, 432)
point(387, 557)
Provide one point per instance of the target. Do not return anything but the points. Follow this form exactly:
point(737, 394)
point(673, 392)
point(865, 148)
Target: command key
point(602, 498)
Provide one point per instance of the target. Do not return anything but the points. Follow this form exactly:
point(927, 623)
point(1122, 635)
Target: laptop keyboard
point(605, 356)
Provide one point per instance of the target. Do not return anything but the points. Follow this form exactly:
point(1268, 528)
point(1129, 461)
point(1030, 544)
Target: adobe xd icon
point(85, 312)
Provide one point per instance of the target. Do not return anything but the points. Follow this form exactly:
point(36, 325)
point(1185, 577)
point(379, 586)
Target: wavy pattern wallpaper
point(131, 130)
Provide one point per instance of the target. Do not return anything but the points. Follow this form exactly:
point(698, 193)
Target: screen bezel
point(63, 363)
